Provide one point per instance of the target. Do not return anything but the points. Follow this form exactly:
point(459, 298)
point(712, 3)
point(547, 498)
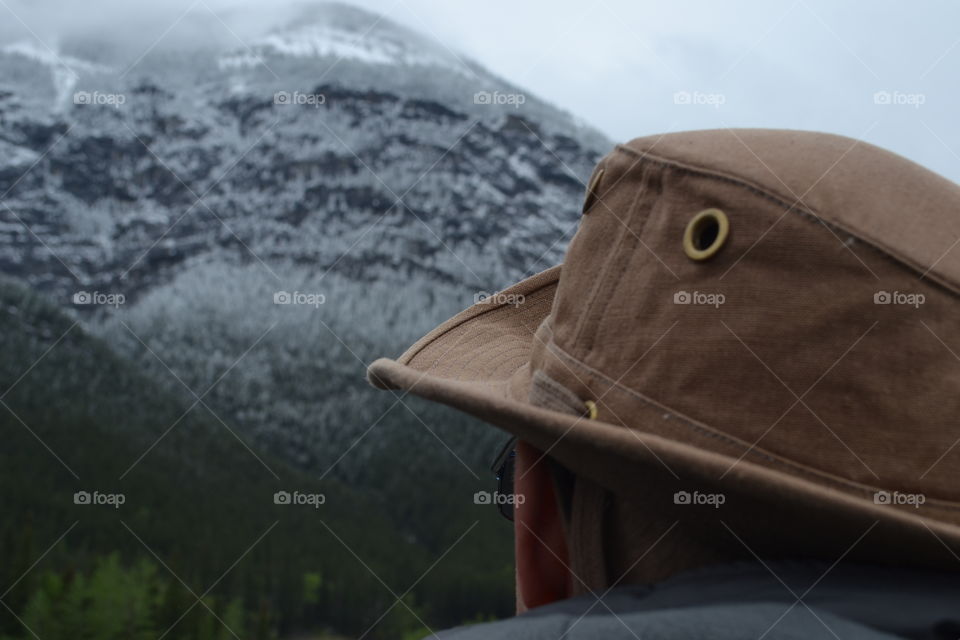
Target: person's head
point(746, 352)
point(572, 537)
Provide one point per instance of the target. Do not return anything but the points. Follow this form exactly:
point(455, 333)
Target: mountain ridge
point(400, 194)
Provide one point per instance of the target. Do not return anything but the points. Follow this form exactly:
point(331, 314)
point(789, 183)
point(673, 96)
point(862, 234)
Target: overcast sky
point(805, 64)
point(635, 67)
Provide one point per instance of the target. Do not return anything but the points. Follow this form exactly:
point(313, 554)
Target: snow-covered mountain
point(300, 144)
point(327, 30)
point(341, 154)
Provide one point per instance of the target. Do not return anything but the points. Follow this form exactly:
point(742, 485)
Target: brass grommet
point(591, 409)
point(705, 234)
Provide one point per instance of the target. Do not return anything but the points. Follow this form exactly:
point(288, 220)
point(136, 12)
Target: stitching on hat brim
point(470, 397)
point(548, 393)
point(755, 452)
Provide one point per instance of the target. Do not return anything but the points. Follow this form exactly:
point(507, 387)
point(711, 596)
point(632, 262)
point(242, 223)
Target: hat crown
point(818, 338)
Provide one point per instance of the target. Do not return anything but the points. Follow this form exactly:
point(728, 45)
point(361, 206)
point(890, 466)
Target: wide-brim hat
point(768, 316)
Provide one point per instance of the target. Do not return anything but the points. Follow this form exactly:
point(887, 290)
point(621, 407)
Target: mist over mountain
point(337, 155)
point(388, 157)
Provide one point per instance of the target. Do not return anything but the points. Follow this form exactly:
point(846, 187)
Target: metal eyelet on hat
point(591, 409)
point(705, 234)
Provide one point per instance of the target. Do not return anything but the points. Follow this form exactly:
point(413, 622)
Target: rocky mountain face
point(339, 155)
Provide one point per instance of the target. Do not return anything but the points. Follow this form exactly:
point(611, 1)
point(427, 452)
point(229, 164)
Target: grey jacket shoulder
point(740, 601)
point(724, 622)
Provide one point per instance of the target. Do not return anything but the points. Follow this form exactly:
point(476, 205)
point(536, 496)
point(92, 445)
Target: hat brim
point(478, 362)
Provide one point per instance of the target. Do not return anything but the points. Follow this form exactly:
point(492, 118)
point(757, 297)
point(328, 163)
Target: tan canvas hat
point(767, 315)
